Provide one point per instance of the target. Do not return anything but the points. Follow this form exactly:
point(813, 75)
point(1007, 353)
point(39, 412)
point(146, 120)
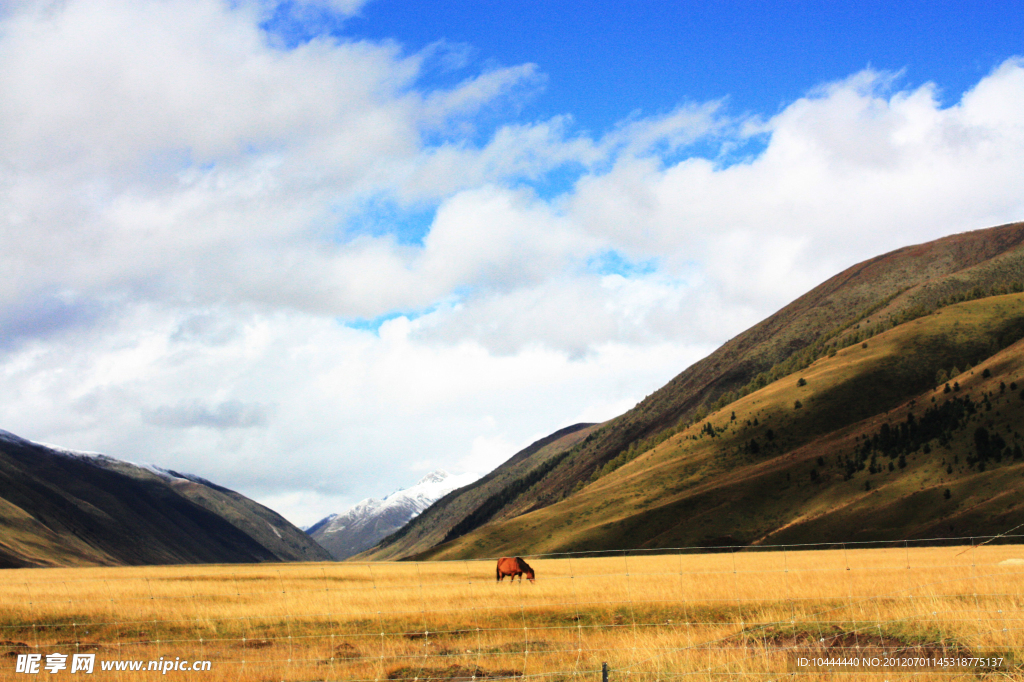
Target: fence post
point(604, 672)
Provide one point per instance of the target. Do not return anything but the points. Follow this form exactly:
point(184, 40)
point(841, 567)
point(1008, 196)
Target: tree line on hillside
point(828, 344)
point(850, 333)
point(940, 423)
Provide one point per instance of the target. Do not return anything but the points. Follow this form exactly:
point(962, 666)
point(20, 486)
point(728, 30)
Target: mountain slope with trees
point(866, 300)
point(912, 433)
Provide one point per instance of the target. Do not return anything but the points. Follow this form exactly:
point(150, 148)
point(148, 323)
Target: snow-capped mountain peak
point(371, 520)
point(433, 477)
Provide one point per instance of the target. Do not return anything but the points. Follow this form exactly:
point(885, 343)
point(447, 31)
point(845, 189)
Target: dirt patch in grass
point(346, 651)
point(834, 640)
point(257, 644)
point(69, 646)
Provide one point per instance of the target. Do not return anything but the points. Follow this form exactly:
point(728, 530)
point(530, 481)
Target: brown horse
point(513, 566)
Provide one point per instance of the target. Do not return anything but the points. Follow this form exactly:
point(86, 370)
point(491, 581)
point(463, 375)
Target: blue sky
point(604, 63)
point(606, 60)
point(277, 245)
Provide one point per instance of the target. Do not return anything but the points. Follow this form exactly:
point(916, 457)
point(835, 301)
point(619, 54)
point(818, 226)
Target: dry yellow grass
point(677, 616)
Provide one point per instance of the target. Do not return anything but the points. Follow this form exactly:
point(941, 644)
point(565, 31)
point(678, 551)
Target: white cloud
point(514, 151)
point(667, 133)
point(190, 78)
point(848, 172)
point(476, 92)
point(177, 272)
point(290, 407)
point(498, 239)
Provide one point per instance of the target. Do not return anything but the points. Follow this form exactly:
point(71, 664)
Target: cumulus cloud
point(850, 170)
point(182, 284)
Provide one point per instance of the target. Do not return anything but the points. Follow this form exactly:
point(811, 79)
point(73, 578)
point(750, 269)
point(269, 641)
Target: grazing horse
point(513, 566)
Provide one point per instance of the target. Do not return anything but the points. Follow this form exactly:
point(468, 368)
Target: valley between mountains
point(887, 403)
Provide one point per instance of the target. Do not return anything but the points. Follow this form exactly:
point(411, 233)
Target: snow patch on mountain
point(106, 461)
point(18, 440)
point(371, 520)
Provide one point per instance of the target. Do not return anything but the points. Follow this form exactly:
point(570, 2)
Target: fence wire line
point(745, 626)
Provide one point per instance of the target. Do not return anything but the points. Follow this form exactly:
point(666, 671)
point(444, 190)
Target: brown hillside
point(885, 286)
point(862, 301)
point(862, 445)
point(58, 508)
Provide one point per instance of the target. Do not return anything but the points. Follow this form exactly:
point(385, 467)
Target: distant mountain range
point(66, 508)
point(362, 526)
point(829, 421)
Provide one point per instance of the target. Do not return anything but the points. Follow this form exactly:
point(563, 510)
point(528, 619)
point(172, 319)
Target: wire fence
point(941, 608)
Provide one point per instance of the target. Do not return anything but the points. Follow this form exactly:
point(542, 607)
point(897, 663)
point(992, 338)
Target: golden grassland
point(698, 616)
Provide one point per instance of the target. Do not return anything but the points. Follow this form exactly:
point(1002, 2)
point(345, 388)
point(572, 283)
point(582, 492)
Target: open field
point(697, 616)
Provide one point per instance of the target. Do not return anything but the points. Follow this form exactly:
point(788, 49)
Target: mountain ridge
point(814, 457)
point(62, 507)
point(862, 300)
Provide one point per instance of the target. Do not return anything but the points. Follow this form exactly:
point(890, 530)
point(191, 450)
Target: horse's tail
point(497, 575)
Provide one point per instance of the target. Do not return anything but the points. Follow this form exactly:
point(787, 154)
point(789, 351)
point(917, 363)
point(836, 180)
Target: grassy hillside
point(864, 443)
point(65, 509)
point(870, 295)
point(841, 313)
